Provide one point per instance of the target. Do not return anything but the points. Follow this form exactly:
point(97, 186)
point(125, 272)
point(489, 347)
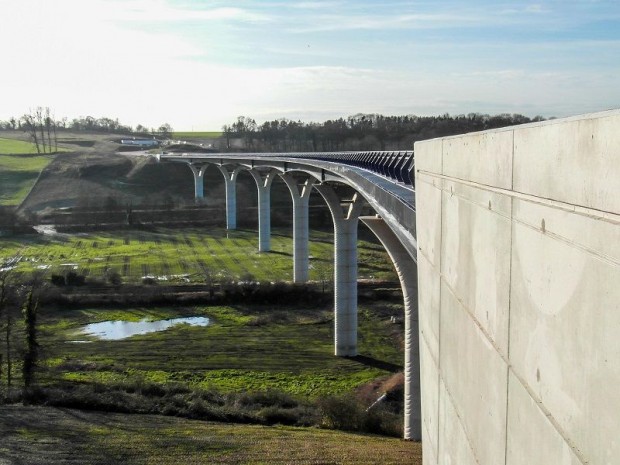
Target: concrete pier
point(198, 172)
point(230, 179)
point(263, 185)
point(301, 196)
point(407, 271)
point(345, 269)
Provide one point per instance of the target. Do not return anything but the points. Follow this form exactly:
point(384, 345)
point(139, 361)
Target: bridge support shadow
point(375, 363)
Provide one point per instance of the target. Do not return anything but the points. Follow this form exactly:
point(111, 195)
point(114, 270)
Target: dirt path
point(51, 436)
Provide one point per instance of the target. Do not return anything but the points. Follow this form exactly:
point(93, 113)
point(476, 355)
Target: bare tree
point(32, 347)
point(48, 127)
point(29, 125)
point(6, 291)
point(40, 125)
point(4, 278)
point(55, 136)
point(39, 122)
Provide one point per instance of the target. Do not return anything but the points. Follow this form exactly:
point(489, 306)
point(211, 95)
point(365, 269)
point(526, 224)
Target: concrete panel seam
point(428, 348)
point(558, 428)
point(426, 429)
point(599, 215)
point(422, 252)
point(508, 341)
point(588, 250)
point(476, 322)
point(424, 180)
point(605, 258)
point(440, 245)
point(460, 419)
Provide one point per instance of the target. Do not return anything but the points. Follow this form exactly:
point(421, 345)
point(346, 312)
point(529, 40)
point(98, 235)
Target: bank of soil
point(36, 435)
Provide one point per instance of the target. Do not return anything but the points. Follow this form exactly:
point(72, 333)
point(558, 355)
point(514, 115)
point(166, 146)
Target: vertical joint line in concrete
point(512, 182)
point(441, 213)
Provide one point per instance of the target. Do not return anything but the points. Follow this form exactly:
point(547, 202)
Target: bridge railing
point(396, 165)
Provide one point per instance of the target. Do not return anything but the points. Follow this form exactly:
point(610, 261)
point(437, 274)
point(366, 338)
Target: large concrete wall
point(519, 294)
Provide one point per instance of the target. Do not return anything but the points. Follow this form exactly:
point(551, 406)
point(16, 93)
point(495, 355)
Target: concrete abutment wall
point(518, 235)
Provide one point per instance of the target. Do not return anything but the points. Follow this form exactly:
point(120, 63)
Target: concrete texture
point(345, 269)
point(518, 234)
point(230, 180)
point(263, 185)
point(198, 173)
point(407, 274)
point(300, 195)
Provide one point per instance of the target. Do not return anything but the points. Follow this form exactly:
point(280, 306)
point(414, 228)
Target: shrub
point(74, 279)
point(343, 413)
point(113, 277)
point(57, 280)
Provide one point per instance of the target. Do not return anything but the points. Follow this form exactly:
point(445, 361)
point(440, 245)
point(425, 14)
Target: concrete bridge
point(515, 235)
point(383, 180)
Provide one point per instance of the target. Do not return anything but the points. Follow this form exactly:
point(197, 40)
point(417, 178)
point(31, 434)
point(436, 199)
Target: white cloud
point(111, 58)
point(160, 10)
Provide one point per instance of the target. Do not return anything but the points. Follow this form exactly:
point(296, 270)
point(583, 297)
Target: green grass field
point(19, 147)
point(65, 436)
point(181, 255)
point(18, 173)
point(244, 348)
point(196, 135)
point(247, 351)
point(14, 146)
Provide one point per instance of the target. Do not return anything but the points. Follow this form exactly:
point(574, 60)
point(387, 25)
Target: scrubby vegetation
point(252, 364)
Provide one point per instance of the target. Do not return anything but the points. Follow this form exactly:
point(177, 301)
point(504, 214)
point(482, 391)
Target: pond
point(119, 329)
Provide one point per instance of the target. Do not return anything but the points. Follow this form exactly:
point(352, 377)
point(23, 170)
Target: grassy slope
point(66, 436)
point(16, 147)
point(18, 174)
point(19, 169)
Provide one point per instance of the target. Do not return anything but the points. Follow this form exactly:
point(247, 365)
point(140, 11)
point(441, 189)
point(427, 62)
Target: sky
point(199, 64)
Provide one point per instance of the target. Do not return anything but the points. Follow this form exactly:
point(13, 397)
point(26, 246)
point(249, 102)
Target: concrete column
point(198, 172)
point(230, 179)
point(300, 194)
point(263, 184)
point(345, 270)
point(407, 271)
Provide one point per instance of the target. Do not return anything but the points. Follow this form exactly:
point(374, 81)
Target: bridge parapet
point(397, 166)
point(519, 303)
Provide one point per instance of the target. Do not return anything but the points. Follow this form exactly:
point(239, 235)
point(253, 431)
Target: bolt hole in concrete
point(119, 329)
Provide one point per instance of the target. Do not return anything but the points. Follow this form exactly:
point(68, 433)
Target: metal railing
point(394, 165)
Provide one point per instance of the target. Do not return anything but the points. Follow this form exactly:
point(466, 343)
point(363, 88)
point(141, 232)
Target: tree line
point(43, 127)
point(359, 132)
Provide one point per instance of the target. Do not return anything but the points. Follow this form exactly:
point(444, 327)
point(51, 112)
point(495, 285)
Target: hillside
point(66, 436)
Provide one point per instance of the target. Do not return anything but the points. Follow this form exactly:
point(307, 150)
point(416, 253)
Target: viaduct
point(507, 247)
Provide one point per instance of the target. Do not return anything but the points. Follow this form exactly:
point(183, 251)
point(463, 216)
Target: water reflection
point(115, 330)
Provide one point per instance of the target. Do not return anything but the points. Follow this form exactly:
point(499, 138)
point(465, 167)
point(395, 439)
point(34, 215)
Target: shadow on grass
point(287, 254)
point(373, 362)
